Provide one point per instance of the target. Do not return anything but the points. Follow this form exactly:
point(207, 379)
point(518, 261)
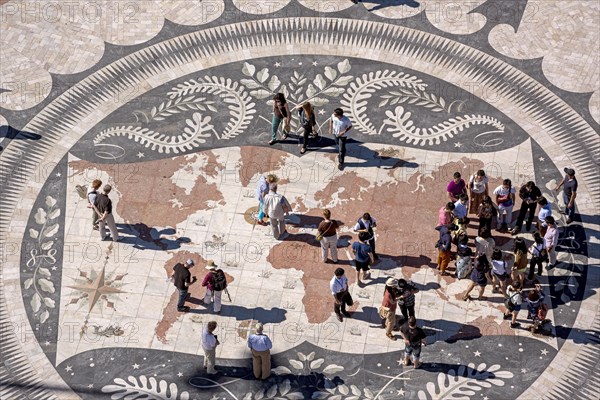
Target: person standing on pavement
point(446, 214)
point(103, 206)
point(387, 311)
point(281, 112)
point(443, 245)
point(209, 345)
point(545, 211)
point(276, 206)
point(569, 183)
point(341, 296)
point(362, 257)
point(92, 193)
point(551, 241)
point(529, 194)
point(260, 345)
point(306, 114)
point(339, 125)
point(478, 187)
point(365, 224)
point(538, 255)
point(456, 187)
point(406, 298)
point(505, 199)
point(182, 279)
point(327, 231)
point(414, 337)
point(262, 189)
point(215, 282)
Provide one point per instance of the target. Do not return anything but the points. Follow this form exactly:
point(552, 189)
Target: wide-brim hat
point(391, 282)
point(569, 171)
point(210, 265)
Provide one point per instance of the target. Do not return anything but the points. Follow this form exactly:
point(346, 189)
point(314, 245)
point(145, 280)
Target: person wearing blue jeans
point(414, 337)
point(569, 184)
point(339, 125)
point(262, 190)
point(281, 112)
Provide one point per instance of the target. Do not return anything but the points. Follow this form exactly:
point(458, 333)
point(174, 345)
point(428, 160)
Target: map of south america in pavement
point(171, 103)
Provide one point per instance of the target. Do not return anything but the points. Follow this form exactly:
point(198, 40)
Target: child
point(520, 265)
point(538, 255)
point(513, 303)
point(486, 213)
point(478, 277)
point(362, 257)
point(464, 252)
point(443, 245)
point(446, 214)
point(499, 273)
point(535, 301)
point(461, 208)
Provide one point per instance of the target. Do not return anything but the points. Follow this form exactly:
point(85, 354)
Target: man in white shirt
point(276, 206)
point(339, 125)
point(209, 345)
point(341, 296)
point(260, 345)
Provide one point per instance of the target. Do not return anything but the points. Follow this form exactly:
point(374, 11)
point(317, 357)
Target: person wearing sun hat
point(213, 283)
point(569, 184)
point(387, 311)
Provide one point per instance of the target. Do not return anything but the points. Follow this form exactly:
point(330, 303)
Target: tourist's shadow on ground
point(371, 158)
point(436, 331)
point(270, 316)
point(8, 133)
point(143, 237)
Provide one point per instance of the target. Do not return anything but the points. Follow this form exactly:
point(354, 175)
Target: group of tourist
point(508, 275)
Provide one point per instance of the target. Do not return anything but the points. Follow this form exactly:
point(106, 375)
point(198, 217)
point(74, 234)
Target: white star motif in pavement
point(136, 366)
point(542, 159)
point(477, 353)
point(179, 374)
point(58, 174)
point(485, 398)
point(69, 368)
point(314, 63)
point(457, 144)
point(400, 392)
point(321, 111)
point(91, 386)
point(399, 362)
point(277, 64)
point(46, 343)
point(53, 268)
point(544, 352)
point(140, 155)
point(300, 63)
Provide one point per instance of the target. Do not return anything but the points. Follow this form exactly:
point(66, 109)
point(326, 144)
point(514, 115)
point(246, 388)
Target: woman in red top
point(388, 306)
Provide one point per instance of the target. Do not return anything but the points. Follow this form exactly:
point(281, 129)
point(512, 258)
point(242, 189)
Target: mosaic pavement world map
point(179, 125)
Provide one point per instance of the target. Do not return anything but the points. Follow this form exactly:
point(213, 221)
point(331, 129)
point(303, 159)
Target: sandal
point(272, 142)
point(303, 150)
point(466, 298)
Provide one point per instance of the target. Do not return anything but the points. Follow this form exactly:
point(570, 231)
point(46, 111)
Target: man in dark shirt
point(413, 337)
point(529, 194)
point(103, 207)
point(182, 279)
point(569, 193)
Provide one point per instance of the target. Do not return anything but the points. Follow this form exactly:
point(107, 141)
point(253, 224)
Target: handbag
point(384, 312)
point(319, 236)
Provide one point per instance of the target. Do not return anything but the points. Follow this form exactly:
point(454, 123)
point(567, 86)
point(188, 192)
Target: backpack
point(220, 280)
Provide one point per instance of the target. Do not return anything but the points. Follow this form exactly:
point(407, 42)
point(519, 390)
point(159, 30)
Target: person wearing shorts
point(363, 257)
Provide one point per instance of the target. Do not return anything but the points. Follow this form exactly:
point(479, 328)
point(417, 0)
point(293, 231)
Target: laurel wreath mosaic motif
point(144, 388)
point(42, 259)
point(397, 92)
